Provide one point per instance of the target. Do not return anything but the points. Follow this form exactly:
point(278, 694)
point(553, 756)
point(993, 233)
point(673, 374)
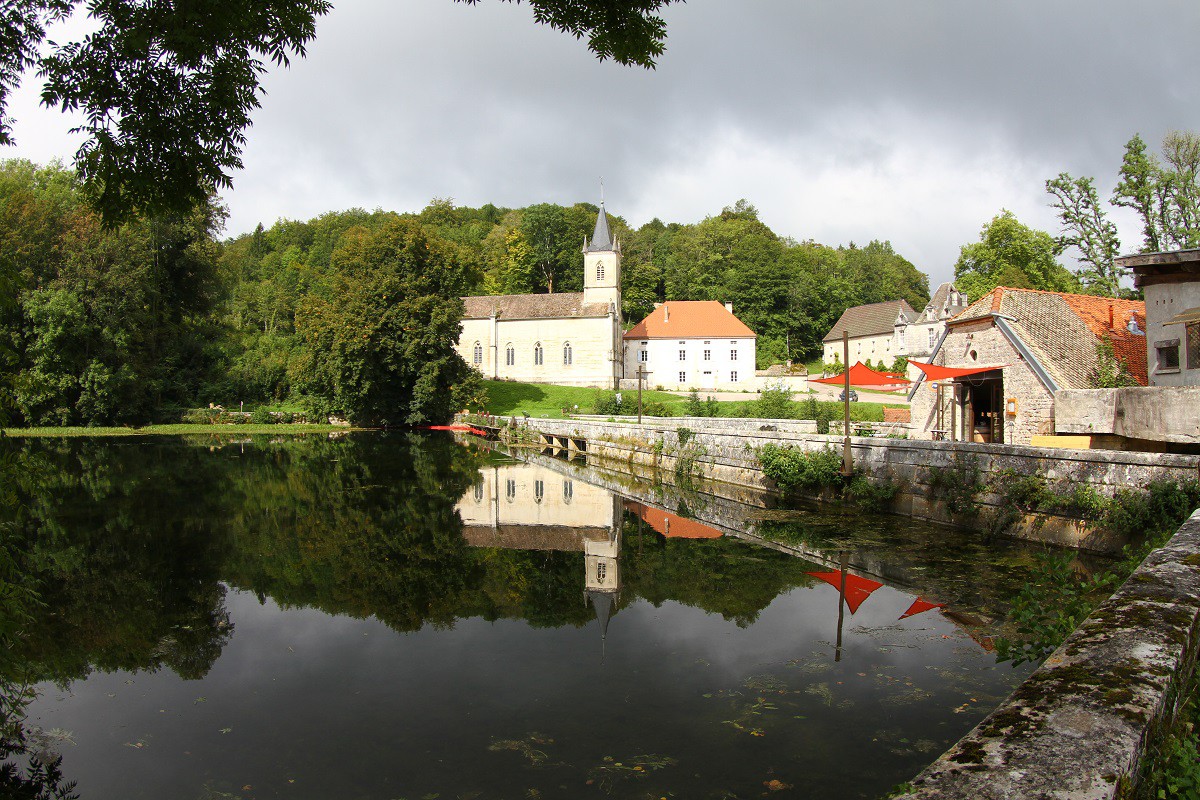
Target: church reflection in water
point(531, 507)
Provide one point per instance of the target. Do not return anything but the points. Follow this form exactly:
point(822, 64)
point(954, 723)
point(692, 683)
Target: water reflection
point(391, 616)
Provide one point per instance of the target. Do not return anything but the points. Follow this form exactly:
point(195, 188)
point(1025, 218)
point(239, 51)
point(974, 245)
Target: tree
point(1011, 254)
point(1165, 194)
point(1086, 227)
point(380, 336)
point(167, 89)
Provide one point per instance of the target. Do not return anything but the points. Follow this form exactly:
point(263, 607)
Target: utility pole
point(847, 456)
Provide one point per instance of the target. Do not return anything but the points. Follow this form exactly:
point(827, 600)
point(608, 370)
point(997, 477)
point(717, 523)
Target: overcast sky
point(841, 120)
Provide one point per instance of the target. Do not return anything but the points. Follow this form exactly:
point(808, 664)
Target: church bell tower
point(602, 266)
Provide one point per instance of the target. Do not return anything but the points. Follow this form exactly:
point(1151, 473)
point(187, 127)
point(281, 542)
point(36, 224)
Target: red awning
point(858, 589)
point(919, 606)
point(936, 373)
point(861, 375)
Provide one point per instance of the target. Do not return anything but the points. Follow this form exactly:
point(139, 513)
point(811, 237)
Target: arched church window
point(478, 356)
point(539, 491)
point(567, 354)
point(568, 490)
point(600, 271)
point(537, 354)
point(510, 355)
point(479, 491)
point(601, 571)
point(510, 490)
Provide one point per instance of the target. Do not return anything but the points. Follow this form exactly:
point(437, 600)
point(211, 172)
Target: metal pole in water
point(845, 562)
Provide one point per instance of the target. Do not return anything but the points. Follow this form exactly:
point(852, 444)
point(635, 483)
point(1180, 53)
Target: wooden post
point(845, 563)
point(847, 456)
point(641, 373)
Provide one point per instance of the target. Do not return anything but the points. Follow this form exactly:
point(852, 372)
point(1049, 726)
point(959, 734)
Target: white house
point(697, 344)
point(568, 338)
point(885, 331)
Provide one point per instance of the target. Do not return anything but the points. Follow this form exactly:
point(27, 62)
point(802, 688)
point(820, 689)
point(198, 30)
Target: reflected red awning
point(936, 373)
point(862, 375)
point(858, 588)
point(920, 606)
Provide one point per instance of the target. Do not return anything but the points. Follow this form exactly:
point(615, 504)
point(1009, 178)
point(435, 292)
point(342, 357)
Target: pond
point(403, 616)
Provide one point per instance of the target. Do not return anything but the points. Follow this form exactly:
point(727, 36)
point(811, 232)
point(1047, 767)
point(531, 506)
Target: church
point(568, 338)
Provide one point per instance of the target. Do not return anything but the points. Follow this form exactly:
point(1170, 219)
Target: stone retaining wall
point(1081, 726)
point(728, 453)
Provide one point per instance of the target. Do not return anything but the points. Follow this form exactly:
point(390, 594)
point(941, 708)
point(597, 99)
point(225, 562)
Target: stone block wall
point(717, 450)
point(1083, 723)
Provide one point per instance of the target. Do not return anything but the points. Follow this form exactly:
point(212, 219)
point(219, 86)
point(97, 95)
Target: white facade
point(693, 363)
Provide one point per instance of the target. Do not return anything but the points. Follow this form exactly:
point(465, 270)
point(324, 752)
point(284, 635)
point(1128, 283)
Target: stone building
point(885, 331)
point(696, 344)
point(1171, 285)
point(1022, 346)
point(568, 338)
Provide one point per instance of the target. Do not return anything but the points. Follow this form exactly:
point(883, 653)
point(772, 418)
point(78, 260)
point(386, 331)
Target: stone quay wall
point(727, 451)
point(1084, 724)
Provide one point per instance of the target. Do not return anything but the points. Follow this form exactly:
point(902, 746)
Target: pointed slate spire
point(601, 238)
point(602, 602)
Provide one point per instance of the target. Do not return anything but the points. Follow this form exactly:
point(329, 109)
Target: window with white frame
point(567, 356)
point(932, 337)
point(733, 355)
point(538, 355)
point(643, 356)
point(477, 357)
point(733, 376)
point(683, 355)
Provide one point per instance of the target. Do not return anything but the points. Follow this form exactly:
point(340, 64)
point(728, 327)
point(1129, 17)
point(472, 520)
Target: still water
point(401, 616)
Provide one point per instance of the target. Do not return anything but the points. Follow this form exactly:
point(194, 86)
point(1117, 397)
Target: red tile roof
point(682, 319)
point(672, 525)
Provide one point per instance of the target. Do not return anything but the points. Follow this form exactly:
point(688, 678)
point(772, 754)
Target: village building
point(692, 344)
point(567, 338)
point(1170, 283)
point(1010, 351)
point(885, 331)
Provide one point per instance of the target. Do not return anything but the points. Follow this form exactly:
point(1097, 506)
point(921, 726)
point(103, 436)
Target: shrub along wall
point(1041, 494)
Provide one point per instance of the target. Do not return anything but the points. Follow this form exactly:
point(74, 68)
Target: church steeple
point(601, 238)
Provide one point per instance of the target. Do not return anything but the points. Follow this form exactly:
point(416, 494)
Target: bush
point(260, 416)
point(656, 409)
point(791, 468)
point(775, 402)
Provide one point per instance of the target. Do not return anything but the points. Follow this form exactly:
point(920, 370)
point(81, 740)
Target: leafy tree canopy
point(1009, 253)
point(167, 89)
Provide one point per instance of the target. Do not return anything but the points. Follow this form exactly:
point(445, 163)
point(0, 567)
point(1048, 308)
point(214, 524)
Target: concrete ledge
point(1080, 726)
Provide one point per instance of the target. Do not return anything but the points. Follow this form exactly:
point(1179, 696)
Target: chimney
point(729, 307)
point(1110, 317)
point(666, 313)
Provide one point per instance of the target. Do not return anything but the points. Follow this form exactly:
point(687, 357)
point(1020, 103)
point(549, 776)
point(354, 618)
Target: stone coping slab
point(1080, 725)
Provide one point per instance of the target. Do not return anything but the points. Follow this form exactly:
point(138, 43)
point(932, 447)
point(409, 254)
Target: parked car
point(842, 396)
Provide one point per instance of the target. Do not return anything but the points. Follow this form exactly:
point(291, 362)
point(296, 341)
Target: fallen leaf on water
point(776, 785)
point(226, 730)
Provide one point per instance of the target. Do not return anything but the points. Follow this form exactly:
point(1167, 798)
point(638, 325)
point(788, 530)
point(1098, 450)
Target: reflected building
point(530, 507)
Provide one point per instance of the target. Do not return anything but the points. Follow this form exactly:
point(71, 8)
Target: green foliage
point(1110, 372)
point(791, 468)
point(1163, 192)
point(380, 343)
point(1049, 607)
point(958, 486)
point(1174, 773)
point(871, 495)
point(775, 402)
point(822, 412)
point(657, 409)
point(1086, 228)
point(1011, 254)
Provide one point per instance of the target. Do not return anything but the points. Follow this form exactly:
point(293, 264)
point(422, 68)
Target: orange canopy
point(936, 373)
point(920, 606)
point(858, 588)
point(862, 375)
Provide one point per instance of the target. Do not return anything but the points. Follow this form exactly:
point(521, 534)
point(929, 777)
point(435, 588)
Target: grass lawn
point(153, 430)
point(509, 398)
